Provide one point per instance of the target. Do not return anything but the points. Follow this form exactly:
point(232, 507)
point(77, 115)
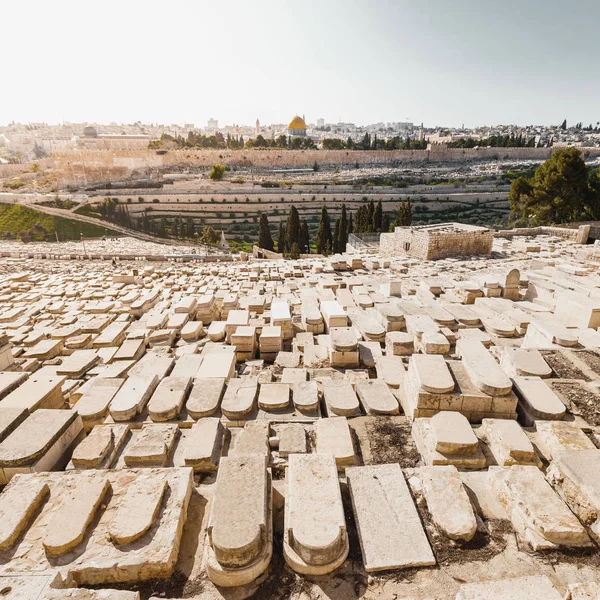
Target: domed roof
point(297, 123)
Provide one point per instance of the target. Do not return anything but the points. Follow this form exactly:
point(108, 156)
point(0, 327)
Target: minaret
point(421, 133)
point(257, 127)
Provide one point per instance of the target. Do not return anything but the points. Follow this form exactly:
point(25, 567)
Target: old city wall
point(297, 158)
point(578, 235)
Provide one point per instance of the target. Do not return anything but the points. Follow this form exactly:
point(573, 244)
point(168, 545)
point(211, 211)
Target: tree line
point(496, 141)
point(293, 236)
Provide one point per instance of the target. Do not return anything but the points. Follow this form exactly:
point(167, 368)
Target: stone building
point(432, 242)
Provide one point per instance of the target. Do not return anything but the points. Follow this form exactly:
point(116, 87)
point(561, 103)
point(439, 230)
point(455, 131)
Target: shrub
point(217, 172)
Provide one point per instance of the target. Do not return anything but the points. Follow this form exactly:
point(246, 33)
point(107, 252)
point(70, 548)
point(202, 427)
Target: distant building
point(321, 123)
point(213, 124)
point(297, 127)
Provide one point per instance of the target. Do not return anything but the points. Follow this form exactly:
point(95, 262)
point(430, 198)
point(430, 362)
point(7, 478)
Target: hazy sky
point(443, 62)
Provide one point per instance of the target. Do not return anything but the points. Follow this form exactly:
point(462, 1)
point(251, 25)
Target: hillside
point(15, 218)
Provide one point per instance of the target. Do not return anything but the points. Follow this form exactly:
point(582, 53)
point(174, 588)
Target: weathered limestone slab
point(10, 419)
point(168, 398)
point(217, 364)
point(524, 362)
point(100, 448)
point(152, 446)
point(39, 443)
point(294, 375)
point(434, 342)
point(203, 444)
point(583, 591)
point(448, 502)
point(520, 588)
point(537, 514)
point(85, 594)
point(397, 541)
point(239, 531)
point(547, 334)
point(368, 353)
point(431, 373)
point(334, 437)
point(537, 400)
point(333, 314)
point(453, 434)
point(11, 380)
point(556, 439)
point(340, 398)
point(19, 501)
point(576, 476)
point(78, 363)
point(132, 397)
point(187, 366)
point(93, 404)
point(252, 439)
point(391, 370)
point(216, 331)
point(399, 343)
point(292, 440)
point(426, 441)
point(97, 560)
point(68, 525)
point(240, 397)
point(205, 397)
point(508, 443)
point(45, 350)
point(274, 396)
point(137, 510)
point(376, 398)
point(315, 540)
point(305, 395)
point(39, 391)
point(483, 370)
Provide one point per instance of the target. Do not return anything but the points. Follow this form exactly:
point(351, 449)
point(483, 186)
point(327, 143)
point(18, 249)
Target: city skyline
point(443, 64)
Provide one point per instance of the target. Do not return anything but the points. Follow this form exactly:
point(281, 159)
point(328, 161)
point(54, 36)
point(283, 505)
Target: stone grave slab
point(376, 398)
point(555, 439)
point(483, 370)
point(431, 373)
point(67, 527)
point(10, 381)
point(397, 541)
point(292, 440)
point(151, 446)
point(448, 502)
point(100, 448)
point(334, 437)
point(274, 396)
point(537, 513)
point(203, 444)
point(315, 540)
point(93, 405)
point(39, 443)
point(340, 398)
point(132, 397)
point(38, 392)
point(205, 397)
point(508, 443)
point(239, 533)
point(537, 400)
point(10, 419)
point(239, 399)
point(305, 396)
point(169, 397)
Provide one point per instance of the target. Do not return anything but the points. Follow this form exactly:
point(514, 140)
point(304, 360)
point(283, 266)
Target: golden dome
point(297, 123)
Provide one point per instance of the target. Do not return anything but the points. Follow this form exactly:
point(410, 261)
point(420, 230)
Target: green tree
point(335, 242)
point(292, 228)
point(378, 217)
point(264, 234)
point(217, 172)
point(209, 235)
point(304, 238)
point(404, 216)
point(294, 251)
point(281, 238)
point(350, 224)
point(369, 217)
point(563, 125)
point(324, 233)
point(343, 230)
point(560, 191)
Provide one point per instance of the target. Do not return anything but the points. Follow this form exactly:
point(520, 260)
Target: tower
point(257, 128)
point(421, 134)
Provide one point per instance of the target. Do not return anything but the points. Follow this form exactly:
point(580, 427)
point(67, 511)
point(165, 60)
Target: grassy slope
point(15, 218)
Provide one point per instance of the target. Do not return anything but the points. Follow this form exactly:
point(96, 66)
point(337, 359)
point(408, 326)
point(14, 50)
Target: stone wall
point(429, 244)
point(272, 158)
point(578, 235)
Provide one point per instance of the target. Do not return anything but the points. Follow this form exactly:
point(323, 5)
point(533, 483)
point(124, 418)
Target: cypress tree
point(292, 228)
point(350, 225)
point(264, 234)
point(378, 217)
point(281, 238)
point(343, 232)
point(304, 238)
point(335, 242)
point(368, 227)
point(324, 233)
